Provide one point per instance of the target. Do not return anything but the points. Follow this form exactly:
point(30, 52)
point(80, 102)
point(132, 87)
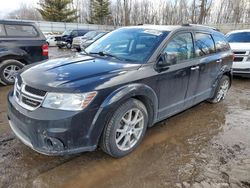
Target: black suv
point(21, 43)
point(67, 37)
point(122, 84)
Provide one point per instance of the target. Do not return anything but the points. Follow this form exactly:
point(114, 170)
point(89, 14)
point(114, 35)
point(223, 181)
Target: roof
point(6, 21)
point(174, 27)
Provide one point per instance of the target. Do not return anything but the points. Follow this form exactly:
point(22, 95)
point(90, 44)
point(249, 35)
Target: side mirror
point(166, 60)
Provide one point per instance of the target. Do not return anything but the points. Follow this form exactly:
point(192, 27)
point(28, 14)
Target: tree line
point(133, 12)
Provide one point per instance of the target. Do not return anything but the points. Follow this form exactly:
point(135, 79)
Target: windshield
point(99, 36)
point(90, 35)
point(239, 37)
point(130, 44)
point(67, 32)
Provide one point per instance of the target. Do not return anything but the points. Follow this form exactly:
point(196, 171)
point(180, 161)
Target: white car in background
point(240, 44)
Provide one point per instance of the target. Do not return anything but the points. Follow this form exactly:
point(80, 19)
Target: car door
point(173, 82)
point(205, 71)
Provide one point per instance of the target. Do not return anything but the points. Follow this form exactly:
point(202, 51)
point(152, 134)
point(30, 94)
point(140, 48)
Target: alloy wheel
point(130, 129)
point(10, 72)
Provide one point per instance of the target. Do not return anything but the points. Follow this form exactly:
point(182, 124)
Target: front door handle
point(195, 68)
point(219, 61)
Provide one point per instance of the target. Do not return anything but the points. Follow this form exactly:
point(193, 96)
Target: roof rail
point(199, 25)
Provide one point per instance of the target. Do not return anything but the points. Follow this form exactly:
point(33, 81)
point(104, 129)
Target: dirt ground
point(206, 146)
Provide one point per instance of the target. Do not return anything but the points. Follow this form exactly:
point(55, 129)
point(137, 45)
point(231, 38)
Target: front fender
point(114, 100)
point(129, 91)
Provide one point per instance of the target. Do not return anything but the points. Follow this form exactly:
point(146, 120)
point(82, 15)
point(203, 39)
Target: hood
point(240, 46)
point(64, 72)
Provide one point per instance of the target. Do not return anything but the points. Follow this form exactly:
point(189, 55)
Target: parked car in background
point(67, 37)
point(85, 43)
point(122, 84)
point(51, 40)
point(240, 43)
point(78, 40)
point(21, 43)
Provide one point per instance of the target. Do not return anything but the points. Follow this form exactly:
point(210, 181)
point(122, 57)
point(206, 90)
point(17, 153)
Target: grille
point(241, 53)
point(35, 91)
point(28, 97)
point(238, 59)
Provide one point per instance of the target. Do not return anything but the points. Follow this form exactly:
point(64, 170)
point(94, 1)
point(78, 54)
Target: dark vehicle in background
point(67, 37)
point(88, 36)
point(239, 41)
point(21, 43)
point(122, 84)
point(85, 43)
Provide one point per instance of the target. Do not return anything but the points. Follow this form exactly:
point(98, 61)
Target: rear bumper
point(52, 132)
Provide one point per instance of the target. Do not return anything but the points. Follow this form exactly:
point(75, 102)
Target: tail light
point(45, 50)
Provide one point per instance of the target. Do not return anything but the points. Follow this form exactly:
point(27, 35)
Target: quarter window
point(204, 44)
point(220, 43)
point(21, 30)
point(181, 47)
point(2, 31)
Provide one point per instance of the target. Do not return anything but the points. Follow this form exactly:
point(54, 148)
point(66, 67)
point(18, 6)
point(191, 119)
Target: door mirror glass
point(166, 60)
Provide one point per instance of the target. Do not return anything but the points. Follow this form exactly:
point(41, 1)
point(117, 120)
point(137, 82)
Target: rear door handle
point(195, 68)
point(219, 61)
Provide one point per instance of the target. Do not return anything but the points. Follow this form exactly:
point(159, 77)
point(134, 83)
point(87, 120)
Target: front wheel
point(221, 90)
point(126, 129)
point(68, 45)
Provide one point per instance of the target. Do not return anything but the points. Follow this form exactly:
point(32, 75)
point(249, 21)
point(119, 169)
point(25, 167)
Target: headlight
point(68, 101)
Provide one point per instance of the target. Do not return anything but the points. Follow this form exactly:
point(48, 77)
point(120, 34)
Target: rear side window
point(2, 31)
point(204, 44)
point(220, 43)
point(21, 30)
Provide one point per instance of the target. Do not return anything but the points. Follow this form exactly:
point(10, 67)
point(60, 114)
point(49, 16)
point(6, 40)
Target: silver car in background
point(88, 36)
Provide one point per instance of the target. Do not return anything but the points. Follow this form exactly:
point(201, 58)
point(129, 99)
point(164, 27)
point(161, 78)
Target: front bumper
point(241, 68)
point(53, 132)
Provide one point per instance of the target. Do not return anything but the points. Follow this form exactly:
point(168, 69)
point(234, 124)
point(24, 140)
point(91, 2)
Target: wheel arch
point(141, 92)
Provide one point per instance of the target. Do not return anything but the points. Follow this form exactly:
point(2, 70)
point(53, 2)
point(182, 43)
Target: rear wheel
point(8, 71)
point(221, 90)
point(126, 129)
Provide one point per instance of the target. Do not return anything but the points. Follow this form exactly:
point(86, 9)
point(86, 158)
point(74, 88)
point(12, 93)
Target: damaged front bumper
point(52, 132)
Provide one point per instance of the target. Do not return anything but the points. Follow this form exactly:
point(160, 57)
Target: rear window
point(2, 31)
point(220, 43)
point(21, 30)
point(239, 37)
point(204, 44)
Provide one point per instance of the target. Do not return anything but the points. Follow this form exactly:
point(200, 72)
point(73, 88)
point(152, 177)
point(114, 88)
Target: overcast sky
point(7, 6)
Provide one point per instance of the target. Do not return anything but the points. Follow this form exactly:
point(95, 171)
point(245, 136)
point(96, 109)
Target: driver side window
point(180, 48)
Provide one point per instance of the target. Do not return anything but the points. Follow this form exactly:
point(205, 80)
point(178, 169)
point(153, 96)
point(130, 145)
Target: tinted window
point(181, 47)
point(220, 43)
point(2, 31)
point(239, 37)
point(131, 44)
point(21, 30)
point(204, 44)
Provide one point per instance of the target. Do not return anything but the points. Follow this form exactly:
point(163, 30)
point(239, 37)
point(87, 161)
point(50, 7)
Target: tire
point(68, 45)
point(8, 71)
point(117, 131)
point(78, 49)
point(221, 90)
point(60, 47)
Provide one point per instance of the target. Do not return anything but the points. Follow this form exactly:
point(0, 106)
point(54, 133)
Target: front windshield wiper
point(107, 54)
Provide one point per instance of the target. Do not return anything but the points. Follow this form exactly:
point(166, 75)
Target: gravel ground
point(205, 146)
